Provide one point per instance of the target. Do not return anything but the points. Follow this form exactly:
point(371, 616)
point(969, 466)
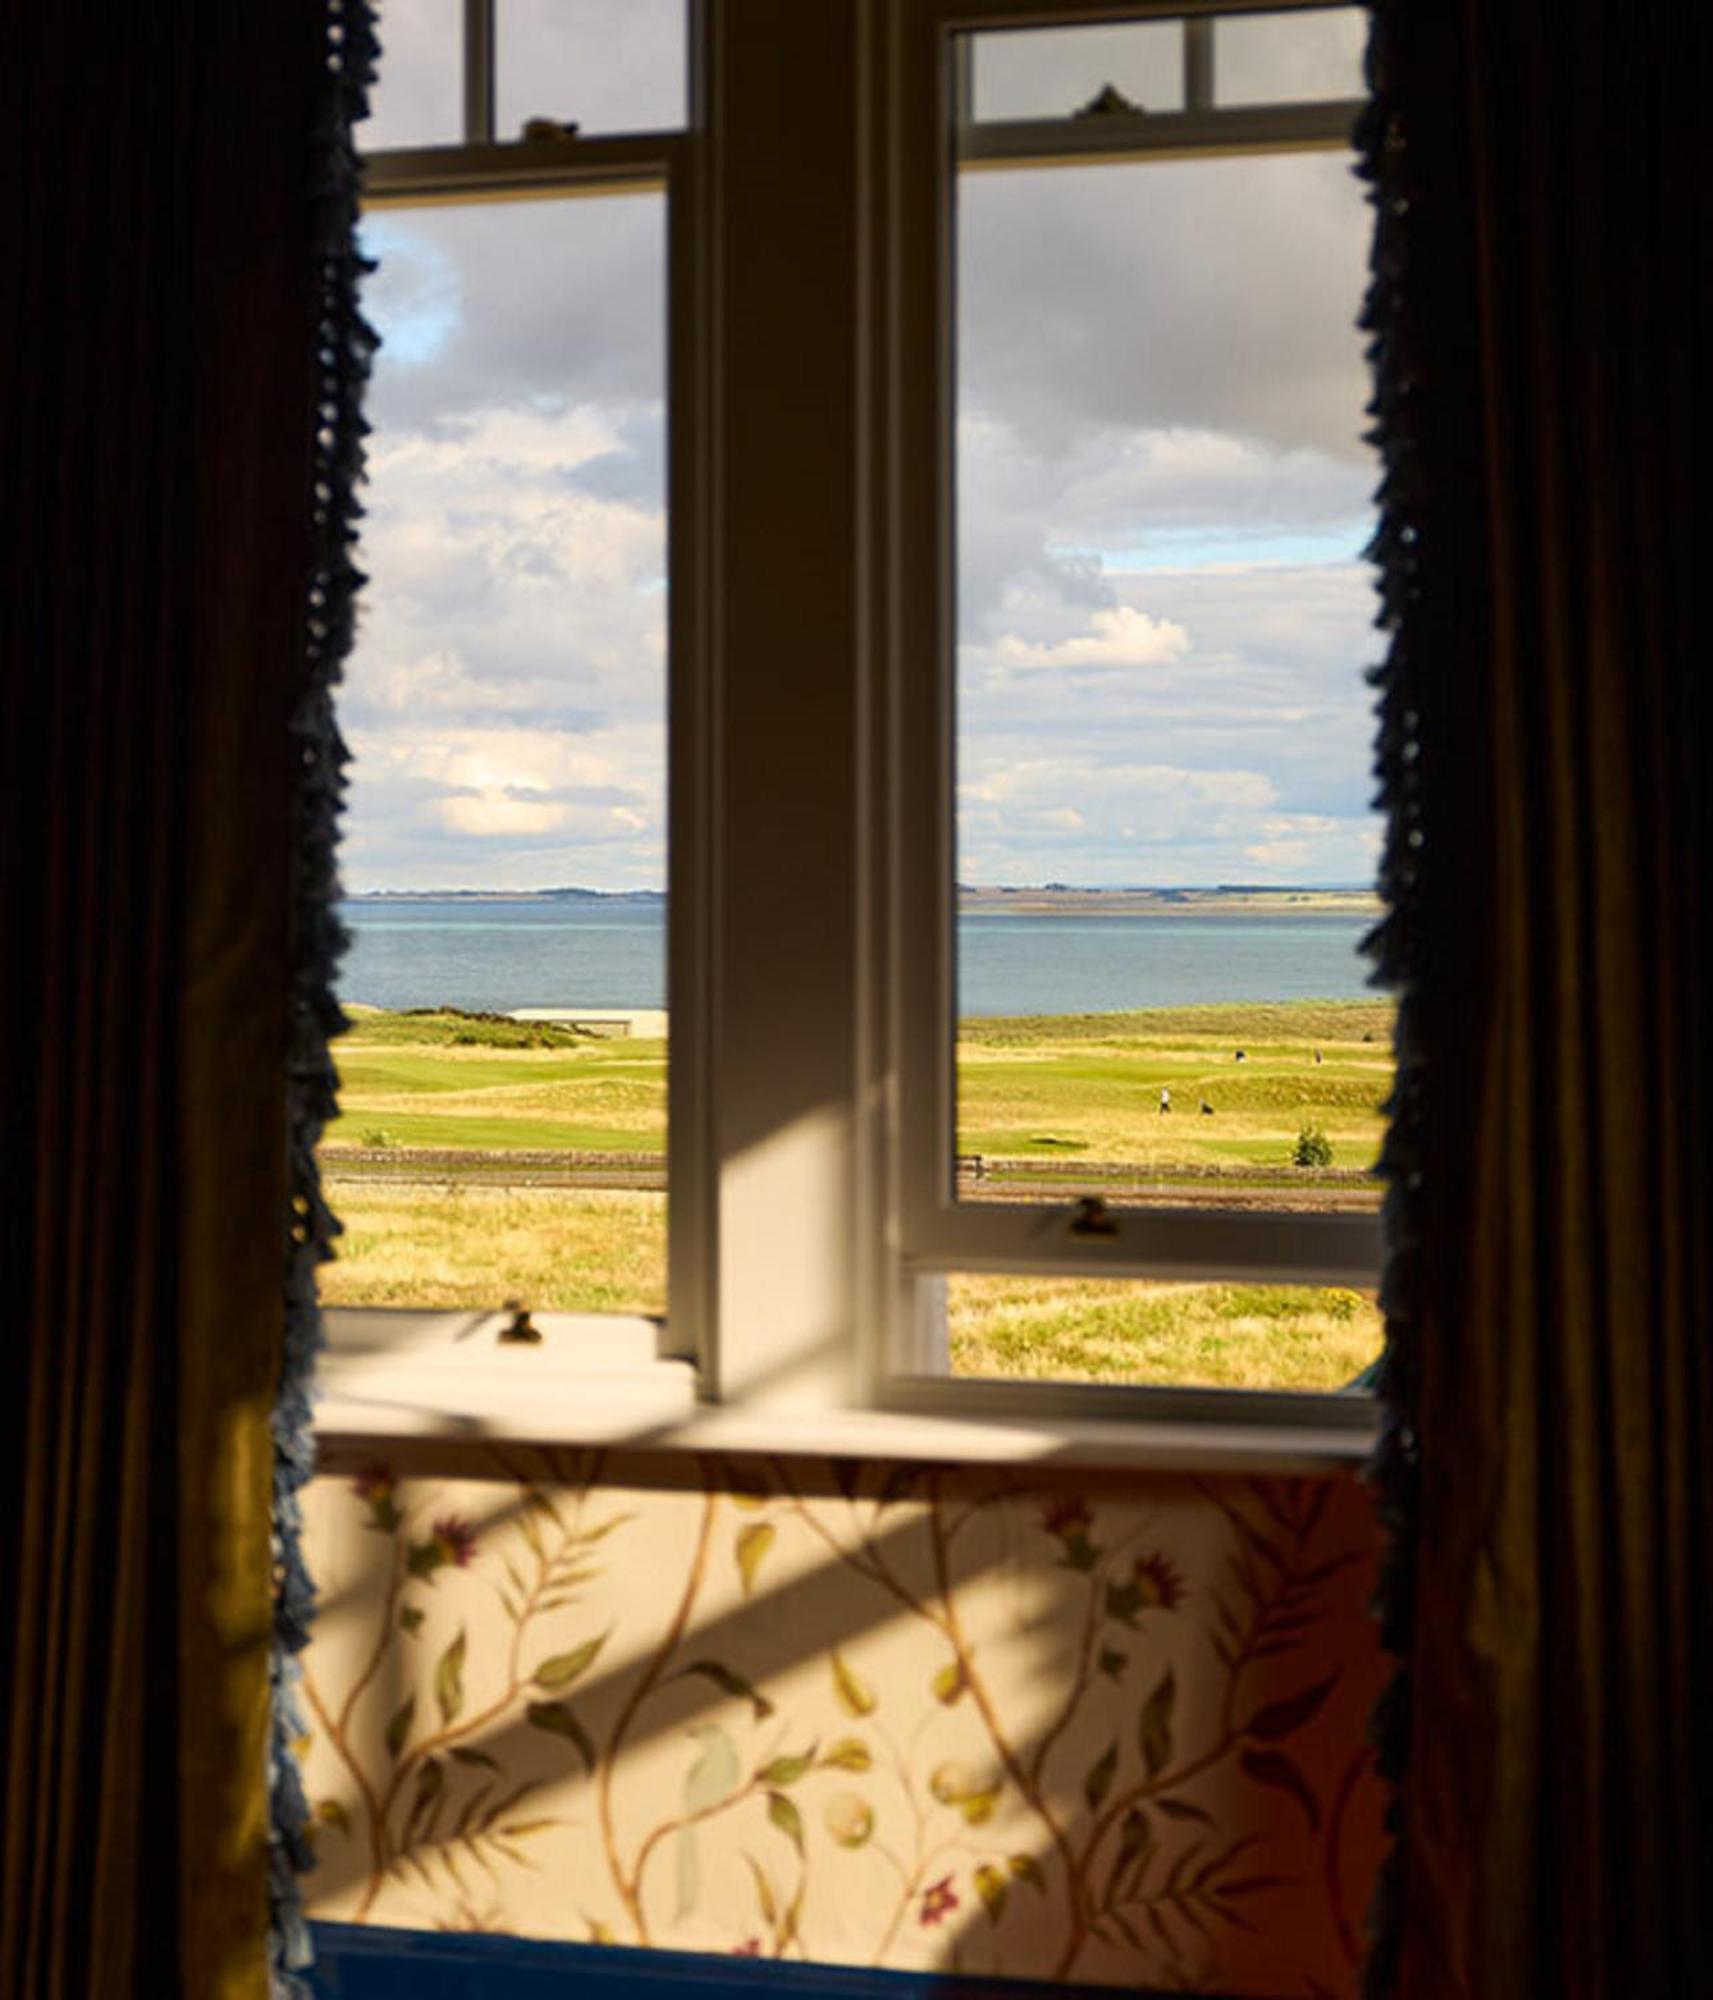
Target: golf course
point(479, 1158)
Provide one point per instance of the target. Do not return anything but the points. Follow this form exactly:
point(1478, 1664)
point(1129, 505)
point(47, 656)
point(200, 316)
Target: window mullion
point(478, 72)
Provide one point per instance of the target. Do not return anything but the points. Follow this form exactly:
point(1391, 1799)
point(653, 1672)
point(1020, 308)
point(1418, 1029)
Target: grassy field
point(574, 1250)
point(1121, 1330)
point(1088, 1086)
point(1067, 1088)
point(1042, 1097)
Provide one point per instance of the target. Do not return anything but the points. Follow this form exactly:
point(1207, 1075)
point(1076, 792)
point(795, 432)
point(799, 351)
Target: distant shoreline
point(1168, 902)
point(1016, 902)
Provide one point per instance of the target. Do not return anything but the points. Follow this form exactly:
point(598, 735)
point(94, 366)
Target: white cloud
point(489, 813)
point(1121, 637)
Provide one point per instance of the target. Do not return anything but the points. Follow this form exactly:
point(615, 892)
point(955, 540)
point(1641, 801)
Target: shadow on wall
point(894, 1716)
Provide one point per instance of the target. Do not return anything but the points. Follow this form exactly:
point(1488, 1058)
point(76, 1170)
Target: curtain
point(1541, 321)
point(167, 218)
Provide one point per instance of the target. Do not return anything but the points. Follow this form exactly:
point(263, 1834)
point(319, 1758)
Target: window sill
point(392, 1376)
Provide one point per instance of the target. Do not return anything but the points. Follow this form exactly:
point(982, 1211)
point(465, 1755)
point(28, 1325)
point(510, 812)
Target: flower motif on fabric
point(1155, 1583)
point(376, 1486)
point(939, 1900)
point(451, 1544)
point(1068, 1518)
point(1159, 1580)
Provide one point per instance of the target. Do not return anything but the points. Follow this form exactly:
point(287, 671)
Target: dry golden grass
point(570, 1250)
point(1127, 1330)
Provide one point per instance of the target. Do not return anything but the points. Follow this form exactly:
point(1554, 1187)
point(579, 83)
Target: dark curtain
point(155, 440)
point(1541, 311)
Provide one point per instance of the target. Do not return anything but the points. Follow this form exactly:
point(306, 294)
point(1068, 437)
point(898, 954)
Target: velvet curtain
point(161, 277)
point(1541, 312)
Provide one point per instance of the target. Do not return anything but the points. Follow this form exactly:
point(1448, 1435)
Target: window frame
point(938, 1231)
point(809, 1143)
point(481, 168)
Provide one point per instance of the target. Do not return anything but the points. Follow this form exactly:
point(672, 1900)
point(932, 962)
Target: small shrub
point(1313, 1148)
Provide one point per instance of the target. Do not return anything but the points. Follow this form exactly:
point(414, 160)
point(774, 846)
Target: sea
point(483, 957)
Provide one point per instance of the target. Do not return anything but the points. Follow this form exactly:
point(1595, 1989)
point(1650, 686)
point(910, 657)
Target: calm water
point(496, 956)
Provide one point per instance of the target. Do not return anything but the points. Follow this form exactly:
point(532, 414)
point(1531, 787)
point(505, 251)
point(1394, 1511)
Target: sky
point(1162, 498)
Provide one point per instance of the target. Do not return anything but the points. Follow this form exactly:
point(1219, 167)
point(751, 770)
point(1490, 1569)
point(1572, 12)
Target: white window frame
point(937, 1230)
point(810, 663)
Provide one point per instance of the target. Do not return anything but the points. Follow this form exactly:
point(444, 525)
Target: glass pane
point(1053, 72)
point(602, 65)
point(503, 1120)
point(1165, 843)
point(1218, 1336)
point(418, 97)
point(1299, 58)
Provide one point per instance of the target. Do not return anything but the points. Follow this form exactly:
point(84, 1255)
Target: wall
point(1111, 1730)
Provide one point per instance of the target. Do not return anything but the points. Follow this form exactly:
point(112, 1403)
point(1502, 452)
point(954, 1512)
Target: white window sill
point(393, 1376)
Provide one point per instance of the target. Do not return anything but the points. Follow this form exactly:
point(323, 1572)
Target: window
point(814, 210)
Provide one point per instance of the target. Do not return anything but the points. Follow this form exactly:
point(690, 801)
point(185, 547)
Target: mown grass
point(1089, 1085)
point(463, 1081)
point(1074, 1086)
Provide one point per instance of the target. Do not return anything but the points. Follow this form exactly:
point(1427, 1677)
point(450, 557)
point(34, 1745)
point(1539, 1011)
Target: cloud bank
point(1162, 496)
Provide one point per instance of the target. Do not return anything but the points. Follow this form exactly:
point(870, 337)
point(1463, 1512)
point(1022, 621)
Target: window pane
point(1165, 842)
point(505, 839)
point(603, 65)
point(418, 97)
point(1217, 1336)
point(1290, 58)
point(1053, 72)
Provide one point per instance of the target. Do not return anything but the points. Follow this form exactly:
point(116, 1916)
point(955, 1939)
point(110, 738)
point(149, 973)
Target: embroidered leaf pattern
point(948, 1683)
point(786, 1770)
point(716, 1772)
point(1027, 1869)
point(1284, 1718)
point(398, 1730)
point(786, 1817)
point(854, 1694)
point(554, 1718)
point(1155, 1727)
point(556, 1674)
point(992, 1887)
point(1273, 1767)
point(731, 1683)
point(688, 1870)
point(1099, 1779)
point(751, 1549)
point(449, 1680)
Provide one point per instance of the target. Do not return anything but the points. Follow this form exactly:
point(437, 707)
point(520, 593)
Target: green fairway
point(1088, 1086)
point(472, 1083)
point(1072, 1087)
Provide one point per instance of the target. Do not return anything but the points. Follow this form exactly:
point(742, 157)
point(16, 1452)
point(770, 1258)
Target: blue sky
point(1164, 616)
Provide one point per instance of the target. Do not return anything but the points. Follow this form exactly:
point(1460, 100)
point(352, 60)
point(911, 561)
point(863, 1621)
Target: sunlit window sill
point(390, 1377)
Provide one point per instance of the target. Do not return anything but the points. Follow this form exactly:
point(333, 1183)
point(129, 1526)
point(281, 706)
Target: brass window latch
point(1092, 1217)
point(520, 1329)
